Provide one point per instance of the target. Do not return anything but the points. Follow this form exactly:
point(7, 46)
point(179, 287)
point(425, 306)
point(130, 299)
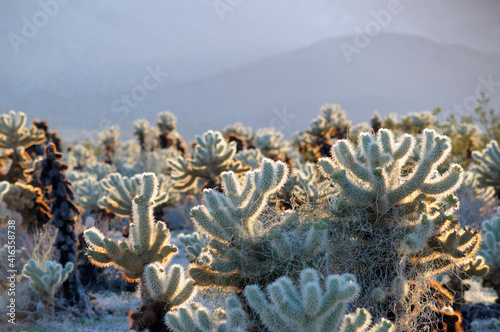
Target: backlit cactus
point(109, 139)
point(80, 156)
point(88, 193)
point(15, 138)
point(490, 250)
point(311, 306)
point(99, 169)
point(381, 165)
point(47, 281)
point(411, 209)
point(4, 187)
point(29, 202)
point(146, 134)
point(487, 167)
point(241, 135)
point(148, 242)
point(245, 245)
point(119, 192)
point(196, 318)
point(168, 286)
point(168, 136)
point(270, 144)
point(331, 125)
point(212, 155)
point(194, 244)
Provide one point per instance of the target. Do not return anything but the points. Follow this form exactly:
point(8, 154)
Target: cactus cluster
point(490, 250)
point(146, 135)
point(212, 155)
point(412, 210)
point(196, 318)
point(270, 144)
point(142, 258)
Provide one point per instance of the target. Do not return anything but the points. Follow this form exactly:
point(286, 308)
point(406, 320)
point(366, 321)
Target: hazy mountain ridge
point(418, 74)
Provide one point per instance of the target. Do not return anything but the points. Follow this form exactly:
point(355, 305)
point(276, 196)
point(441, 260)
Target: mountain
point(393, 73)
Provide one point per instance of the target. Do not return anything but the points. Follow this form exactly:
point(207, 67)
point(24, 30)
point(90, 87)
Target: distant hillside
point(415, 75)
point(394, 73)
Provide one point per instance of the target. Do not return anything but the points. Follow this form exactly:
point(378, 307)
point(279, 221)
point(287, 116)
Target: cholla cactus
point(148, 243)
point(240, 134)
point(88, 193)
point(166, 122)
point(29, 202)
point(109, 139)
point(146, 134)
point(416, 123)
point(99, 170)
point(194, 243)
point(316, 142)
point(46, 282)
point(120, 190)
point(490, 250)
point(168, 136)
point(196, 318)
point(157, 161)
point(212, 156)
point(251, 158)
point(166, 290)
point(300, 187)
point(388, 215)
point(465, 138)
point(487, 167)
point(382, 167)
point(375, 183)
point(269, 142)
point(16, 137)
point(246, 246)
point(79, 157)
point(311, 307)
point(168, 287)
point(13, 133)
